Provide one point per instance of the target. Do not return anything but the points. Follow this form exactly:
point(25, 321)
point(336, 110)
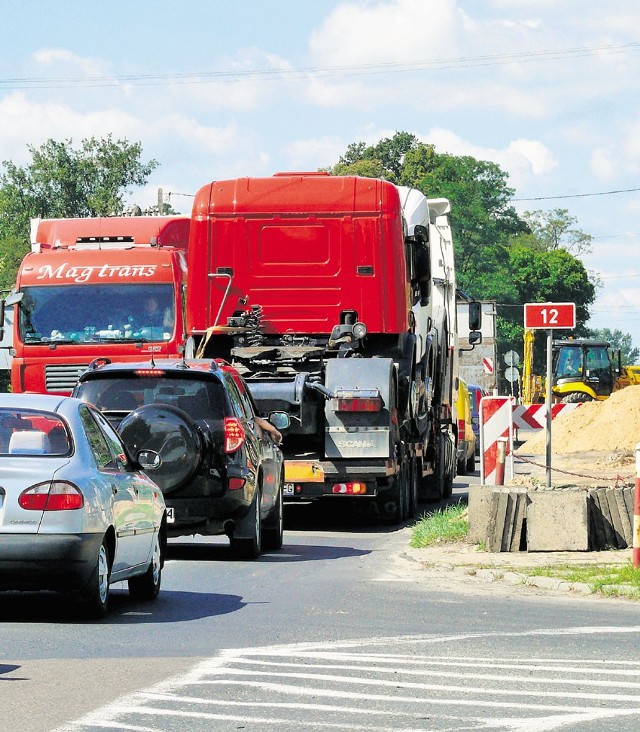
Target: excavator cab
point(583, 370)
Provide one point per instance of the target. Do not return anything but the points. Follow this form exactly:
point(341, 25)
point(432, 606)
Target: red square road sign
point(550, 315)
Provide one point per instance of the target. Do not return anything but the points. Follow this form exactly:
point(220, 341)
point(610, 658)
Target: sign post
point(549, 316)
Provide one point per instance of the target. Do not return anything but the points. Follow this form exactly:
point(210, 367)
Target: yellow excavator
point(583, 370)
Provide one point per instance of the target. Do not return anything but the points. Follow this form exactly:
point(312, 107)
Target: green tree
point(483, 219)
point(539, 275)
point(500, 255)
point(383, 160)
point(61, 181)
point(554, 230)
point(618, 340)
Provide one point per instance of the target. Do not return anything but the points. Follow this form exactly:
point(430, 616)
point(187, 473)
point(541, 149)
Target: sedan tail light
point(57, 495)
point(233, 434)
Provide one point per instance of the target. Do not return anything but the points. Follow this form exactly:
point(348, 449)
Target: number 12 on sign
point(550, 315)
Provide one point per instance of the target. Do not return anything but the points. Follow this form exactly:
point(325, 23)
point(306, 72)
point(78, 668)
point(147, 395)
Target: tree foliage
point(618, 340)
point(500, 255)
point(61, 181)
point(554, 230)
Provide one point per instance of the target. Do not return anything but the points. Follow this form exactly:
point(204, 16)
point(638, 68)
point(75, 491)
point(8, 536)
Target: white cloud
point(314, 153)
point(399, 30)
point(603, 165)
point(61, 58)
point(522, 159)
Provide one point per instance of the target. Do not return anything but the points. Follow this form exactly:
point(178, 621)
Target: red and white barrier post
point(501, 458)
point(636, 512)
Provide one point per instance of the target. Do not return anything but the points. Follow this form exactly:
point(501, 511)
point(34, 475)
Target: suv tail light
point(54, 495)
point(233, 434)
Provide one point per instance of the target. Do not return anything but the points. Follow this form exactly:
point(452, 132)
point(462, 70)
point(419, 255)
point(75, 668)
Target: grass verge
point(444, 525)
point(603, 579)
point(450, 524)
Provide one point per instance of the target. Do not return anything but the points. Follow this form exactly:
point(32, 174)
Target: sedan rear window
point(32, 432)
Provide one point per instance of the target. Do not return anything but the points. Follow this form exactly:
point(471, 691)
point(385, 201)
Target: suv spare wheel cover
point(172, 434)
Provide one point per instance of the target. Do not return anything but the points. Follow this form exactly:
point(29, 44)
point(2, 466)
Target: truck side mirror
point(475, 316)
point(475, 337)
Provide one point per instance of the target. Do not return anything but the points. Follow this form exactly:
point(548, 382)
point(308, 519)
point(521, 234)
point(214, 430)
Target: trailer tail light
point(461, 426)
point(352, 489)
point(363, 400)
point(54, 495)
point(233, 434)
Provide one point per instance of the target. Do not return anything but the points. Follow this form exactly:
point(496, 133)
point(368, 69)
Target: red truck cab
point(305, 247)
point(97, 287)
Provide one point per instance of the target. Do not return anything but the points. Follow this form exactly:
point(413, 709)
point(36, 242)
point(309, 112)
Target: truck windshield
point(96, 313)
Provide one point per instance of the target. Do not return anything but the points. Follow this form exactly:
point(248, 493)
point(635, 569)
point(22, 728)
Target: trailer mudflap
point(358, 434)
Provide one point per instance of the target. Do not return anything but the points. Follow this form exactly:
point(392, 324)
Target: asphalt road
point(335, 632)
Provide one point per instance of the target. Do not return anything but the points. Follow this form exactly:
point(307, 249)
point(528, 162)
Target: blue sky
point(213, 89)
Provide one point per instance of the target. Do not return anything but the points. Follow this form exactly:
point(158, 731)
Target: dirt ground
point(591, 445)
point(595, 443)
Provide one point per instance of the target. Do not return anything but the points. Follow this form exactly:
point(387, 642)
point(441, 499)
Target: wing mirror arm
point(475, 339)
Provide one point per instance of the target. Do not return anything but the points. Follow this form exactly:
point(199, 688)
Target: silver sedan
point(76, 512)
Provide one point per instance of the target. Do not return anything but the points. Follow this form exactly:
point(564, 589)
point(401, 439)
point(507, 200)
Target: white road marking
point(340, 685)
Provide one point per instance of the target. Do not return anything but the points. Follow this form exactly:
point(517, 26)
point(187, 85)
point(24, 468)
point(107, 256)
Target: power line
point(578, 195)
point(208, 77)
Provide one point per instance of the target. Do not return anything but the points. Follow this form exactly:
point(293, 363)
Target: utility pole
point(160, 201)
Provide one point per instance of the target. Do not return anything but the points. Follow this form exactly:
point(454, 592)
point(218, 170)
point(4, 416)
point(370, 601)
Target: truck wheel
point(471, 464)
point(439, 484)
point(462, 466)
point(248, 544)
point(447, 464)
point(393, 502)
point(413, 487)
point(576, 397)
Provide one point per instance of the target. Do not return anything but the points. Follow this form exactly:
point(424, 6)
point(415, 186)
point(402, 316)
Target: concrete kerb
point(469, 564)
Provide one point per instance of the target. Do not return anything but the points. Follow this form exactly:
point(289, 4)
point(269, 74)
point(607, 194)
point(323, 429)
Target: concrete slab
point(616, 520)
point(479, 504)
point(557, 520)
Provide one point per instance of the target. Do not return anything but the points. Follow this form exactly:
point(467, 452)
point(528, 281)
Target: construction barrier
point(496, 423)
point(534, 416)
point(636, 513)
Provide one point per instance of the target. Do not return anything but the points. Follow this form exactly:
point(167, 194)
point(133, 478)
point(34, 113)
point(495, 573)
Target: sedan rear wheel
point(147, 586)
point(97, 590)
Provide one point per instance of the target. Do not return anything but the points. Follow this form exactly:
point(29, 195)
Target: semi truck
point(96, 287)
point(335, 297)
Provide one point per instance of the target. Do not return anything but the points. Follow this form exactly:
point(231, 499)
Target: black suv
point(194, 428)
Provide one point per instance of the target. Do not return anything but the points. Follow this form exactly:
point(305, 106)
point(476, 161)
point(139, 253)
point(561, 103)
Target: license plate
point(171, 515)
point(288, 489)
point(299, 471)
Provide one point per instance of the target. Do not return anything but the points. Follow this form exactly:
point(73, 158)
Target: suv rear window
point(199, 399)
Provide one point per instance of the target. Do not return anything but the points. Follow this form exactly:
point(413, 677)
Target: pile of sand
point(613, 424)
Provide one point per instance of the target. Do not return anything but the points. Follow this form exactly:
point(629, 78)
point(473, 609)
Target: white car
point(76, 512)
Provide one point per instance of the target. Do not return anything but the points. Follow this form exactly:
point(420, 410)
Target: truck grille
point(64, 376)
